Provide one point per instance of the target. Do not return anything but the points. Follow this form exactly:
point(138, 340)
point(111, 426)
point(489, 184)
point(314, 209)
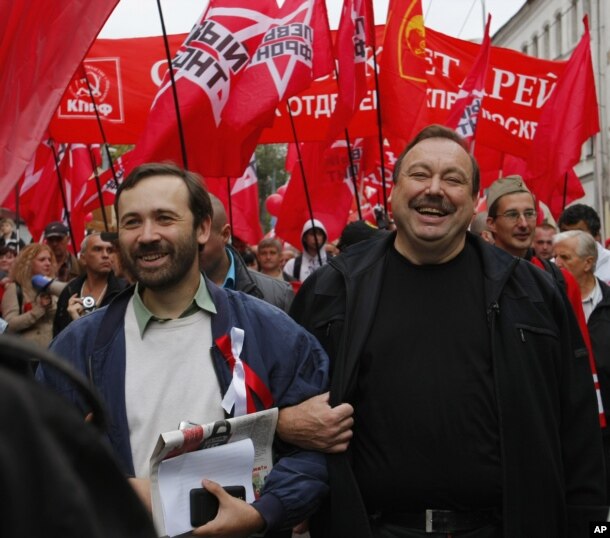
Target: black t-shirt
point(426, 430)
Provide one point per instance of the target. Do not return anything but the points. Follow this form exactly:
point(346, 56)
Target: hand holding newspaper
point(235, 451)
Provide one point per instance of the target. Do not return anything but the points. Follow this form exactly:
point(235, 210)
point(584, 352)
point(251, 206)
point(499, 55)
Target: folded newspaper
point(232, 452)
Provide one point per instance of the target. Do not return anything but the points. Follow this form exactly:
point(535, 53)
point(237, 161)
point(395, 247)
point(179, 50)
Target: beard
point(180, 258)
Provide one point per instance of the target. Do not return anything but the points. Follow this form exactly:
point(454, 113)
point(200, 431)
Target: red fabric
point(330, 192)
point(568, 119)
point(107, 183)
point(574, 296)
point(39, 51)
point(271, 77)
point(254, 384)
point(228, 88)
point(244, 203)
point(402, 70)
point(465, 112)
point(356, 33)
point(519, 85)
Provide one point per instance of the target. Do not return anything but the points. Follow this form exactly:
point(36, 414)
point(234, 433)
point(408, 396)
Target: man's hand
point(142, 488)
point(315, 425)
point(235, 519)
point(75, 307)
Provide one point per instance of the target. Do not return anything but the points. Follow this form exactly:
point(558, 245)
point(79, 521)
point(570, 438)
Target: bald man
point(225, 267)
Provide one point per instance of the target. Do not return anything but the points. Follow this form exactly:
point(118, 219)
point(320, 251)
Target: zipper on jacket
point(522, 335)
point(90, 364)
point(492, 312)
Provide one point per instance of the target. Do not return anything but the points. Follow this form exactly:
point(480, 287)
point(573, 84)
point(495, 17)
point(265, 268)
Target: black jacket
point(599, 331)
point(62, 317)
point(549, 431)
point(269, 289)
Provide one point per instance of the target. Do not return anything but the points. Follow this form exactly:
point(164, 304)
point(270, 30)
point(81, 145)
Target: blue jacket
point(287, 359)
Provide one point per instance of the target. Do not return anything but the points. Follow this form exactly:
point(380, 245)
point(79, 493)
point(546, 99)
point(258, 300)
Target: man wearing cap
point(512, 221)
point(56, 236)
point(474, 411)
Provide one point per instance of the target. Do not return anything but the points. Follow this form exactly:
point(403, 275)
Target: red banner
point(41, 45)
point(517, 86)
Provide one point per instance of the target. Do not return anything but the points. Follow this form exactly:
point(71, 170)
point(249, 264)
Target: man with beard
point(157, 354)
point(475, 413)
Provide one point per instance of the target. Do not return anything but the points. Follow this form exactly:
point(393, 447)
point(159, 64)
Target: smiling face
point(514, 236)
point(159, 244)
point(432, 201)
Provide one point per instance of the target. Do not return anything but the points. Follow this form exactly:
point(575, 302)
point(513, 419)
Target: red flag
point(295, 49)
point(465, 112)
point(108, 181)
point(330, 192)
point(206, 69)
point(39, 52)
point(568, 119)
point(402, 73)
point(356, 33)
point(238, 61)
point(244, 203)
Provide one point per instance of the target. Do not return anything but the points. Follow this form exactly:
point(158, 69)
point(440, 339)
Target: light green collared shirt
point(201, 301)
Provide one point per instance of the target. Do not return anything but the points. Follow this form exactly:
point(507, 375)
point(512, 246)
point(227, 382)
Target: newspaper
point(235, 451)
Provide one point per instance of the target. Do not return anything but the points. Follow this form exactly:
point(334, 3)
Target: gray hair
point(83, 245)
point(585, 244)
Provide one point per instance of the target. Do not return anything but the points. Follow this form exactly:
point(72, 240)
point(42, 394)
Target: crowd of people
point(450, 377)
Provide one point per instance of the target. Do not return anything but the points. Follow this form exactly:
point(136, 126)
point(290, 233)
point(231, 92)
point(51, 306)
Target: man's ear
point(203, 230)
point(225, 233)
point(588, 263)
point(491, 224)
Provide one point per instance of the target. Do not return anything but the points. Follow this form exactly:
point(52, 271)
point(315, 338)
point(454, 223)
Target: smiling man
point(452, 353)
point(156, 352)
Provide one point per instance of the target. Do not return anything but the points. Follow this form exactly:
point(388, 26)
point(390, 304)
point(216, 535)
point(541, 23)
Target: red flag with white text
point(295, 50)
point(207, 68)
point(465, 112)
point(356, 33)
point(39, 51)
point(244, 205)
point(109, 181)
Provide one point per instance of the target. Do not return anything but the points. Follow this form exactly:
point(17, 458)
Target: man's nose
point(434, 187)
point(149, 232)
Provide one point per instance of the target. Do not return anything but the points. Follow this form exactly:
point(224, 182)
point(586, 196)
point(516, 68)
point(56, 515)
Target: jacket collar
point(497, 263)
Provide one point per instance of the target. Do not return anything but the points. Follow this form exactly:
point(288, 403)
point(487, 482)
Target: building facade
point(551, 29)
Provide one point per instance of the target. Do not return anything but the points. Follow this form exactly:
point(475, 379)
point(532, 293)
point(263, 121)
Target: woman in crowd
point(28, 311)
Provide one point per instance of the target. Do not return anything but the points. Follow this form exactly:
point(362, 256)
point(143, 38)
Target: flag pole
point(565, 191)
point(380, 133)
point(99, 124)
point(174, 90)
point(302, 167)
point(98, 187)
point(17, 218)
point(63, 194)
point(352, 170)
point(230, 205)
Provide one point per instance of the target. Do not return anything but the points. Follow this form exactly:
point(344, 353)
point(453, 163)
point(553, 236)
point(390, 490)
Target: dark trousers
point(390, 530)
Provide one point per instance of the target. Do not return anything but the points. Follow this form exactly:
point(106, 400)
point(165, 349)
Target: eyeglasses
point(513, 215)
